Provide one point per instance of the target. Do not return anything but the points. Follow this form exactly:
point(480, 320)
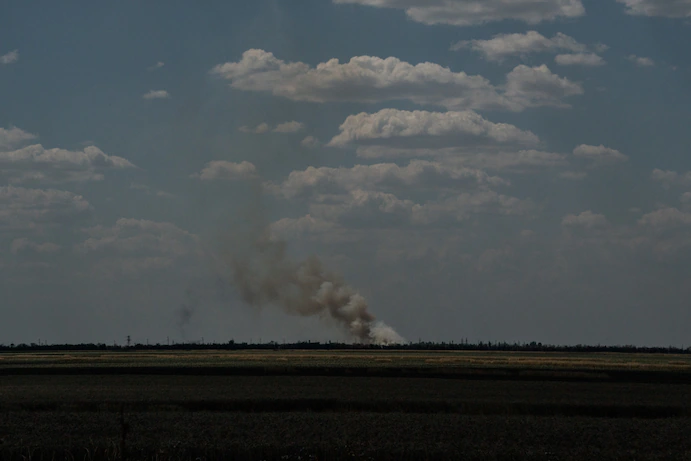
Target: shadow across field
point(338, 406)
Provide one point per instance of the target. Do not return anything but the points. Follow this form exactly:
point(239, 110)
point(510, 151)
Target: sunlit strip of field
point(351, 359)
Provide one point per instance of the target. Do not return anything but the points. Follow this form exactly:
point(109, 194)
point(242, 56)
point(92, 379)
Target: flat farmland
point(351, 359)
point(301, 405)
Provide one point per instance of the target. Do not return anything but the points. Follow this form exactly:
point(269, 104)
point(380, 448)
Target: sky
point(496, 170)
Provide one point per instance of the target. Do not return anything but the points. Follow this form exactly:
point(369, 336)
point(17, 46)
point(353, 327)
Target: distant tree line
point(312, 345)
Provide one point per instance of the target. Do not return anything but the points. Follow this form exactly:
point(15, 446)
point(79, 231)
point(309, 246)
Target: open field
point(295, 405)
point(352, 359)
point(602, 367)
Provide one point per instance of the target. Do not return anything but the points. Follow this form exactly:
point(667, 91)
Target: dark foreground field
point(78, 407)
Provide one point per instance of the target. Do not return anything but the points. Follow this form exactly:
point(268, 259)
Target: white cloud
point(361, 208)
point(156, 94)
point(9, 58)
point(665, 8)
point(366, 208)
point(428, 128)
point(158, 65)
point(494, 258)
point(289, 127)
point(310, 142)
point(640, 61)
point(579, 59)
point(371, 79)
point(665, 219)
point(24, 244)
point(151, 191)
point(133, 246)
point(35, 209)
point(297, 227)
point(259, 129)
point(665, 232)
point(599, 155)
point(418, 173)
point(671, 178)
point(473, 12)
point(36, 163)
point(502, 46)
point(221, 169)
point(573, 175)
point(538, 86)
point(13, 136)
point(586, 219)
point(463, 205)
point(285, 127)
point(520, 161)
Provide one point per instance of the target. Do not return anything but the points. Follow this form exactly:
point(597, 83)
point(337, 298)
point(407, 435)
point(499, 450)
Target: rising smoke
point(264, 275)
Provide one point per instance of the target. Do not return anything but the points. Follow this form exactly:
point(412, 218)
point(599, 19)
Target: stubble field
point(344, 405)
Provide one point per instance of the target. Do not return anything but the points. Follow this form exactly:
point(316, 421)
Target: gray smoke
point(263, 275)
point(187, 309)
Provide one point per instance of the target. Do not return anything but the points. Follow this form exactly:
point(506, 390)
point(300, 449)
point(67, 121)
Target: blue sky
point(493, 170)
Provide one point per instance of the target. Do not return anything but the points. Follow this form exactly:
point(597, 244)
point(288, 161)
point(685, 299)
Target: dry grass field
point(355, 359)
point(297, 405)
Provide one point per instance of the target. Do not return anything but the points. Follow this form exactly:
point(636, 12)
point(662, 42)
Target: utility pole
point(128, 340)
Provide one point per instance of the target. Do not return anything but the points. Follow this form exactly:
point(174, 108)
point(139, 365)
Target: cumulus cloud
point(310, 142)
point(461, 206)
point(664, 8)
point(665, 233)
point(289, 127)
point(666, 218)
point(24, 244)
point(522, 161)
point(515, 161)
point(156, 94)
point(495, 259)
point(418, 173)
point(502, 46)
point(285, 127)
point(473, 12)
point(158, 65)
point(372, 79)
point(36, 163)
point(368, 208)
point(573, 175)
point(37, 209)
point(13, 136)
point(287, 228)
point(538, 86)
point(133, 246)
point(221, 169)
point(599, 155)
point(671, 178)
point(641, 61)
point(151, 191)
point(409, 128)
point(579, 59)
point(259, 129)
point(586, 219)
point(9, 58)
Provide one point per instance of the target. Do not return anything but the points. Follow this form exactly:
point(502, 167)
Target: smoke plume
point(264, 275)
point(187, 309)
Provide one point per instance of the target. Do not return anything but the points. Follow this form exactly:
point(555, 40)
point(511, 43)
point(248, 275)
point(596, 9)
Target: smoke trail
point(263, 274)
point(187, 309)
